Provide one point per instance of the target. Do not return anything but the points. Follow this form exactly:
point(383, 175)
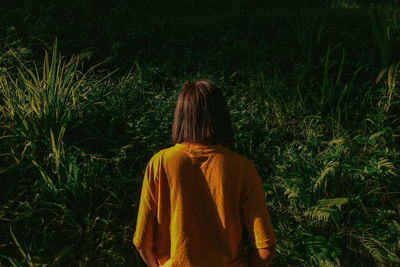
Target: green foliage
point(385, 23)
point(314, 102)
point(43, 103)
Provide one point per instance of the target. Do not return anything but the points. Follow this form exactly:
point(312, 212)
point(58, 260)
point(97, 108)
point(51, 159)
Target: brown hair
point(201, 115)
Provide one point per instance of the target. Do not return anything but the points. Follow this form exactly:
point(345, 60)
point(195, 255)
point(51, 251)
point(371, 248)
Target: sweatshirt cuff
point(265, 243)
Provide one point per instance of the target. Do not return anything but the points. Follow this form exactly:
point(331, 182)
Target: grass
point(313, 96)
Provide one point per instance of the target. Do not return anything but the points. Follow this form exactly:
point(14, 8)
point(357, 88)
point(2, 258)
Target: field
point(87, 94)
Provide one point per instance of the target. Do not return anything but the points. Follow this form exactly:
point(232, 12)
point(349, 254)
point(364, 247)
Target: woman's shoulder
point(177, 154)
point(240, 159)
point(165, 153)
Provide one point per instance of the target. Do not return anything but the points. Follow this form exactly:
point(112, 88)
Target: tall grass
point(44, 102)
point(385, 23)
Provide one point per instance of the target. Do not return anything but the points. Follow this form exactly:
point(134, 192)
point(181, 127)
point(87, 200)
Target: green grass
point(313, 93)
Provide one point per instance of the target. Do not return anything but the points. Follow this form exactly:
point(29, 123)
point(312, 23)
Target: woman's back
point(195, 201)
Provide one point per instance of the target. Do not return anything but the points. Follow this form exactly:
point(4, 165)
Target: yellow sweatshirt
point(195, 201)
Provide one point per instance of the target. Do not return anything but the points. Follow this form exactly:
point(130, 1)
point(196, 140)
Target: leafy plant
point(385, 24)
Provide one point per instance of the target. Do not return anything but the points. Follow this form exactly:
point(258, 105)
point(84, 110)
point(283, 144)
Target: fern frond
point(374, 247)
point(329, 169)
point(325, 208)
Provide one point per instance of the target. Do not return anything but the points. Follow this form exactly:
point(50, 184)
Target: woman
point(198, 195)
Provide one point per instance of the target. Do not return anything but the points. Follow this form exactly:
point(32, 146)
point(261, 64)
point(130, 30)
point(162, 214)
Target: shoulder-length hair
point(201, 115)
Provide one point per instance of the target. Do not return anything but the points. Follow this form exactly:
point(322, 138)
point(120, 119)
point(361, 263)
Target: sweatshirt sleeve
point(147, 215)
point(255, 211)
